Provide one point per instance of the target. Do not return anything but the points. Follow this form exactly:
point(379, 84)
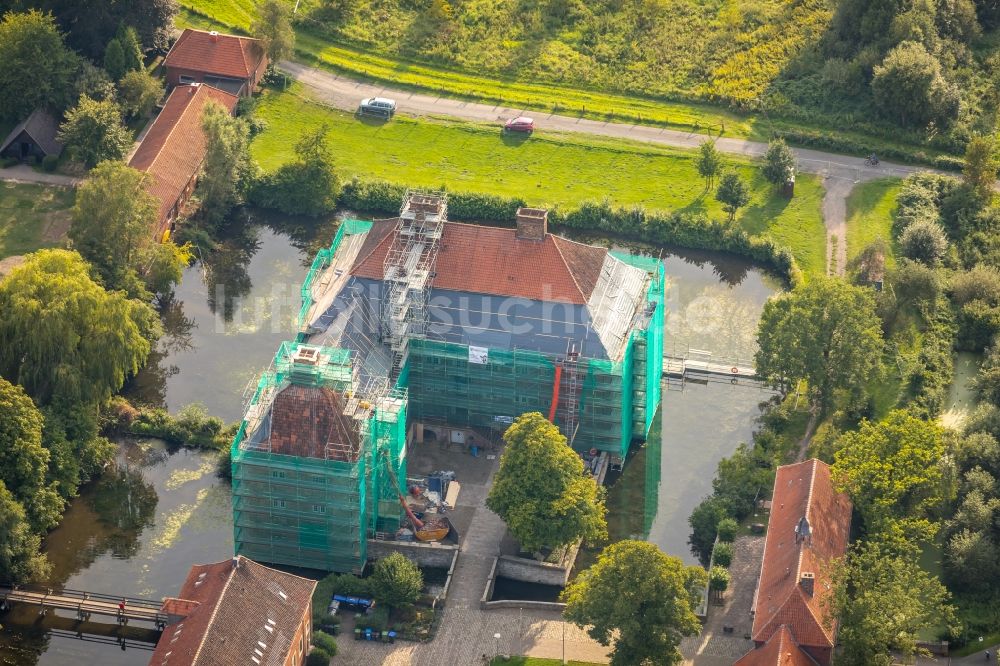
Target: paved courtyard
point(714, 647)
point(466, 632)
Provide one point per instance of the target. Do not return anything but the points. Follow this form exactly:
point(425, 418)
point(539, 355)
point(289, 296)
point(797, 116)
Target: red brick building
point(227, 62)
point(174, 148)
point(809, 527)
point(238, 612)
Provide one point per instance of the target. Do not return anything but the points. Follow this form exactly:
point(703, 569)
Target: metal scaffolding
point(408, 272)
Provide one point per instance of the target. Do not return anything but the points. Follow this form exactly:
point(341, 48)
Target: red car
point(520, 124)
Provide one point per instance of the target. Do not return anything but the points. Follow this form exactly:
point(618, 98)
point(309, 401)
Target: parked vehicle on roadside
point(520, 124)
point(382, 107)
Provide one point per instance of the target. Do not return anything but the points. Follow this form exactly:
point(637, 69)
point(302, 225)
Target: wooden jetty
point(85, 604)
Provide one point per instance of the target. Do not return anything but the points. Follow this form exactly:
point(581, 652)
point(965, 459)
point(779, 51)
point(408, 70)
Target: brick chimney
point(532, 224)
point(807, 581)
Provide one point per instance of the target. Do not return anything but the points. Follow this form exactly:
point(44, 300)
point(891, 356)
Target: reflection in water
point(226, 274)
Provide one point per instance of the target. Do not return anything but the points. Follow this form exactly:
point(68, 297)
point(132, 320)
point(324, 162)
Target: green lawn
point(474, 82)
point(869, 215)
point(547, 169)
point(33, 217)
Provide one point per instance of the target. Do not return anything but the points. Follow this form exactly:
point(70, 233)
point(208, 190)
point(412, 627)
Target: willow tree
point(62, 336)
point(541, 491)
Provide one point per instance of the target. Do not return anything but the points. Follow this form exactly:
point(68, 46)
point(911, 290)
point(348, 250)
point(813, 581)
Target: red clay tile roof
point(803, 490)
point(174, 147)
point(222, 55)
point(304, 419)
point(235, 605)
point(779, 650)
point(490, 260)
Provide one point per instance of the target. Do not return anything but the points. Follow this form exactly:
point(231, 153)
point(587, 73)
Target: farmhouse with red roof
point(174, 148)
point(227, 62)
point(809, 527)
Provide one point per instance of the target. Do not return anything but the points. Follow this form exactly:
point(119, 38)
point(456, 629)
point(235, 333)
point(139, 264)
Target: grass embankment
point(547, 169)
point(869, 215)
point(580, 97)
point(33, 217)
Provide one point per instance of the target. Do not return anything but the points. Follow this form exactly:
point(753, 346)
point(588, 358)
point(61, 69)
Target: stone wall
point(532, 571)
point(438, 556)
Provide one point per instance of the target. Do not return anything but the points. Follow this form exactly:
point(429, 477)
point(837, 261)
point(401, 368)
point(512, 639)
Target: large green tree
point(228, 170)
point(21, 559)
point(35, 66)
point(541, 491)
point(139, 91)
point(113, 221)
point(23, 460)
point(826, 333)
point(640, 598)
point(893, 471)
point(273, 27)
point(884, 600)
point(63, 337)
point(93, 131)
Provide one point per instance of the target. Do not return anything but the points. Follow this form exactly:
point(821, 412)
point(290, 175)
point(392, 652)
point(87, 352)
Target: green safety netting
point(313, 512)
point(323, 259)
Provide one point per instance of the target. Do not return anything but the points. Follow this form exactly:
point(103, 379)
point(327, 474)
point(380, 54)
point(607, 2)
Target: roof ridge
point(569, 270)
point(243, 55)
point(215, 612)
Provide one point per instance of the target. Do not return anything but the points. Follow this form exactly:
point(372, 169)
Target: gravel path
point(22, 173)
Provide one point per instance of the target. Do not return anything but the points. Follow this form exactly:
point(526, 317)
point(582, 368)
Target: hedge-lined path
point(840, 172)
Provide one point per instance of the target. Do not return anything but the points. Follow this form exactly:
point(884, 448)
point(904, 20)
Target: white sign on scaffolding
point(480, 355)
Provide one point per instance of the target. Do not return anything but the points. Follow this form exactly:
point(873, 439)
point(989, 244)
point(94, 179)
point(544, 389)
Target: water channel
point(137, 530)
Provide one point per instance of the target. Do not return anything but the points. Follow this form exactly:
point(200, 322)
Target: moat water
point(137, 530)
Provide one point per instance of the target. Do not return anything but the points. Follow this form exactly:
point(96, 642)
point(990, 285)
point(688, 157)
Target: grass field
point(547, 169)
point(869, 215)
point(33, 217)
point(580, 97)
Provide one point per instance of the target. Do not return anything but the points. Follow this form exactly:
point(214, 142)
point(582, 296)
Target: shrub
point(719, 579)
point(723, 554)
point(8, 162)
point(704, 522)
point(318, 657)
point(50, 162)
point(924, 241)
point(325, 642)
point(192, 426)
point(727, 529)
point(396, 581)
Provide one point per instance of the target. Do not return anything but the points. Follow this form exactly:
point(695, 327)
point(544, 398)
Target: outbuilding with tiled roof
point(34, 137)
point(231, 63)
point(238, 613)
point(809, 528)
point(174, 148)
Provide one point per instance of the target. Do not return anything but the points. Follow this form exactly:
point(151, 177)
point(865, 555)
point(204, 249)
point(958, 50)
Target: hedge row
point(633, 223)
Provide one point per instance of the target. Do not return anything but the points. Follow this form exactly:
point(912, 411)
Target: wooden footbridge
point(85, 604)
point(703, 363)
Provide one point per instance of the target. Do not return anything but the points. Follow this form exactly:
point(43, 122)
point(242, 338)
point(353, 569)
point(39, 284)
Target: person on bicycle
point(873, 159)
